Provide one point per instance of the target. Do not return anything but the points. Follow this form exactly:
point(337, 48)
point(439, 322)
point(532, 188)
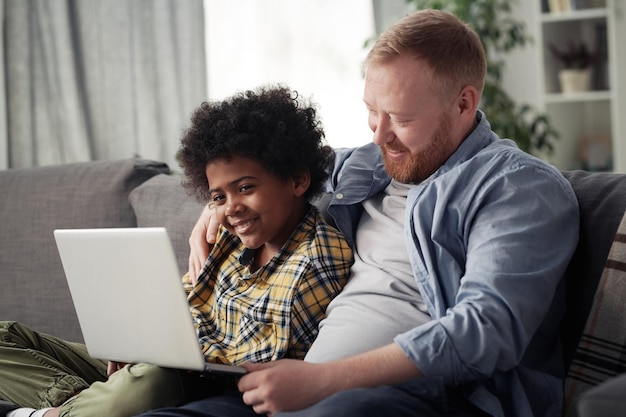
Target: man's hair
point(452, 49)
point(270, 125)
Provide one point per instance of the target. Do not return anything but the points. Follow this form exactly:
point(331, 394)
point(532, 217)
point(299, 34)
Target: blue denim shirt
point(489, 236)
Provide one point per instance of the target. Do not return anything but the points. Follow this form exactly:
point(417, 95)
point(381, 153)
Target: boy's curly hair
point(271, 125)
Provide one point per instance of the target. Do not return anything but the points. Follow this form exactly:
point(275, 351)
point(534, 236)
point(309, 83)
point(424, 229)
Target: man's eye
point(401, 122)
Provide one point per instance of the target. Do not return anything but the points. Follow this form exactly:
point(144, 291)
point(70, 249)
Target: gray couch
point(36, 201)
point(131, 193)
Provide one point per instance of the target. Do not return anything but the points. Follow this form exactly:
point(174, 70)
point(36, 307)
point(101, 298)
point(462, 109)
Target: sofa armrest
point(607, 399)
point(602, 201)
point(35, 201)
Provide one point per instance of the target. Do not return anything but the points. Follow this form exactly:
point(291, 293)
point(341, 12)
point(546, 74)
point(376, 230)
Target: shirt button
point(339, 196)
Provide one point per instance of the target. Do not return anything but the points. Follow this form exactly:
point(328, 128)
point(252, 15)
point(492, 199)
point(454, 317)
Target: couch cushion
point(35, 201)
point(605, 400)
point(602, 201)
point(162, 201)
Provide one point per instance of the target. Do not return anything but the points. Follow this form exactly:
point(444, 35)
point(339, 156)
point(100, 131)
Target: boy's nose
point(233, 207)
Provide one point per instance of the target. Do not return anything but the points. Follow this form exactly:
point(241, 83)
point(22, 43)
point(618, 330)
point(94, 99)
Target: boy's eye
point(246, 187)
point(217, 198)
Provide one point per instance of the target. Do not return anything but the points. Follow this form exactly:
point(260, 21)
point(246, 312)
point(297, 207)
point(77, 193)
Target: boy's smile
point(254, 204)
point(241, 227)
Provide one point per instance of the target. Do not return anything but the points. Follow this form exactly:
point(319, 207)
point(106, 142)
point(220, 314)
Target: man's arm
point(202, 238)
point(287, 384)
point(204, 232)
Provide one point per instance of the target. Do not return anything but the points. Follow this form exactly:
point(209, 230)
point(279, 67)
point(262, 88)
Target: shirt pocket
point(257, 340)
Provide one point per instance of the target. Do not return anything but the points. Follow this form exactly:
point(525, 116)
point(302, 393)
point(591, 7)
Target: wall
point(315, 48)
point(521, 75)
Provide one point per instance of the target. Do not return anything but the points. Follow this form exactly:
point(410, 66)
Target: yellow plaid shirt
point(274, 312)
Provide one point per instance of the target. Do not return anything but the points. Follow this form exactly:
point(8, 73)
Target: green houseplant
point(500, 33)
point(577, 62)
point(575, 56)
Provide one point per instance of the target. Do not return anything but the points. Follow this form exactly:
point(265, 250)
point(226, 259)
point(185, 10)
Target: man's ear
point(468, 101)
point(301, 183)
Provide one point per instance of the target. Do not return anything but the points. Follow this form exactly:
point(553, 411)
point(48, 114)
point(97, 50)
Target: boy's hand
point(202, 238)
point(113, 367)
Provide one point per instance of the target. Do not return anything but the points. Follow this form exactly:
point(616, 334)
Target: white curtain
point(98, 79)
point(315, 47)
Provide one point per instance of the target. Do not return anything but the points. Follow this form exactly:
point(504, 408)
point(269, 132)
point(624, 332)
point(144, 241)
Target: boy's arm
point(187, 283)
point(309, 308)
point(326, 278)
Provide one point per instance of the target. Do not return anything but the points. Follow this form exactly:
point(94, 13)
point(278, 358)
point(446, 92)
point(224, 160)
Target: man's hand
point(283, 385)
point(202, 238)
point(289, 385)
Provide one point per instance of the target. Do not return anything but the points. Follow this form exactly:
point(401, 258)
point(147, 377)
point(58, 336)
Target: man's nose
point(382, 130)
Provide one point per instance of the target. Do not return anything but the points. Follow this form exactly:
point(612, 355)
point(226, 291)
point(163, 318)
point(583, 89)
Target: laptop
point(129, 298)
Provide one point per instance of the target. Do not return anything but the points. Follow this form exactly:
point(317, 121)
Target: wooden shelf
point(577, 97)
point(583, 14)
point(591, 113)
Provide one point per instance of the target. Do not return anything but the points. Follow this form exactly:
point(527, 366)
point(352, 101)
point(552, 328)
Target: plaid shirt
point(273, 312)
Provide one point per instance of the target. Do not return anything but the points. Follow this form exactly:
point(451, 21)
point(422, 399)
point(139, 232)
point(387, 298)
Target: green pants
point(38, 371)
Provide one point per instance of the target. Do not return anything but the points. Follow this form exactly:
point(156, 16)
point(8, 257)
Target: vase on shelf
point(575, 80)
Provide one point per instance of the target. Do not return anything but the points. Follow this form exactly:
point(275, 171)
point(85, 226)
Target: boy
point(258, 158)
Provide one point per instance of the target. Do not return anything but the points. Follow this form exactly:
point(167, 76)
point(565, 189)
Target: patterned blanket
point(601, 352)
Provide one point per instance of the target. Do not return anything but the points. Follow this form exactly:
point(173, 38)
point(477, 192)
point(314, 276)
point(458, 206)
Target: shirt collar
point(481, 137)
point(297, 236)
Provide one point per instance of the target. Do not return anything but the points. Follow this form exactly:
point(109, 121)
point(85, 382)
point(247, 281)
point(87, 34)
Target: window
point(314, 47)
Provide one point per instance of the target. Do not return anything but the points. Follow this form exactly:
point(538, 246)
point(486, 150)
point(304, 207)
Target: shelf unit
point(591, 123)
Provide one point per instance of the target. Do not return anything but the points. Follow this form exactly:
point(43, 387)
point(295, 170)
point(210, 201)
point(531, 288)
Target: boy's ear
point(301, 183)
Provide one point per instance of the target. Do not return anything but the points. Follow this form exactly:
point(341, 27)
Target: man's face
point(413, 126)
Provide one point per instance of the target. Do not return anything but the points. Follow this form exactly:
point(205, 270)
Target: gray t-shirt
point(381, 299)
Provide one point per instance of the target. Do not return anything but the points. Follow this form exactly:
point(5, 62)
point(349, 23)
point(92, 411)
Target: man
point(461, 242)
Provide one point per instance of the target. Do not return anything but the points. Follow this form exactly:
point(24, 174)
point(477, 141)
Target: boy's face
point(252, 203)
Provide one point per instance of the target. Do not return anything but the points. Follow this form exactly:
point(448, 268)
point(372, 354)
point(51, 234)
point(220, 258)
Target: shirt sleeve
point(340, 156)
point(327, 273)
point(187, 285)
point(489, 257)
